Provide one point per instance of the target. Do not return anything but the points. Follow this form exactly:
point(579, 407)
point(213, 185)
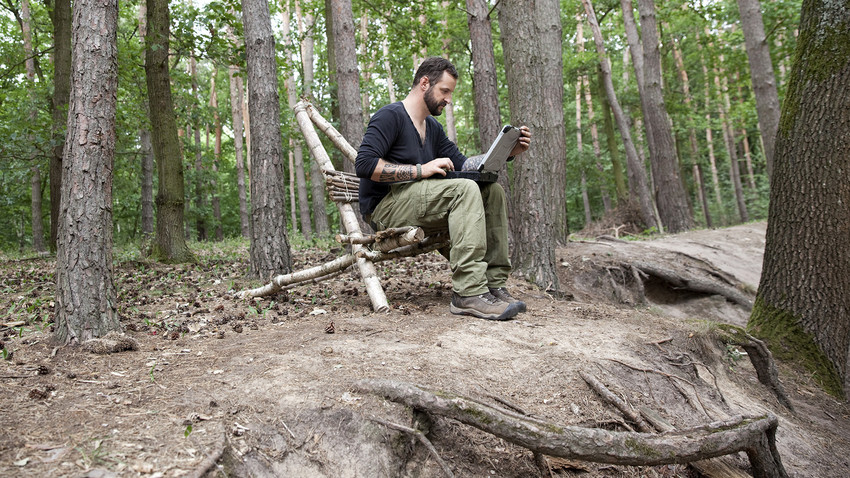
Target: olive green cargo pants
point(475, 216)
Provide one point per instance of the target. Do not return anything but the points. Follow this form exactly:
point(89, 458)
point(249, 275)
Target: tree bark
point(531, 40)
point(803, 300)
point(638, 189)
point(762, 76)
point(305, 23)
point(61, 19)
point(85, 293)
point(146, 150)
point(270, 253)
point(613, 150)
point(35, 171)
point(170, 244)
point(347, 76)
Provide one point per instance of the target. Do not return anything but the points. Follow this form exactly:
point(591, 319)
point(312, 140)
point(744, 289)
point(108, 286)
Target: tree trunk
point(270, 253)
point(745, 143)
point(170, 244)
point(146, 150)
point(306, 22)
point(804, 295)
point(347, 76)
point(200, 193)
point(297, 163)
point(61, 19)
point(85, 293)
point(531, 41)
point(761, 74)
point(216, 203)
point(35, 171)
point(638, 189)
point(236, 95)
point(317, 182)
point(692, 136)
point(613, 150)
point(585, 199)
point(451, 129)
point(729, 141)
point(485, 89)
point(385, 46)
point(670, 195)
point(709, 139)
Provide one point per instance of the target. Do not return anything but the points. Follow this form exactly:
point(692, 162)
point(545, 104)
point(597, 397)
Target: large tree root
point(754, 435)
point(694, 283)
point(760, 357)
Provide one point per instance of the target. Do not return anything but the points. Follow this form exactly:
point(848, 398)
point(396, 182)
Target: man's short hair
point(433, 69)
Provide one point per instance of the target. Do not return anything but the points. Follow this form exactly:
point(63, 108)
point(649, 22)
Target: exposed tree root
point(760, 357)
point(422, 439)
point(754, 435)
point(693, 283)
point(210, 460)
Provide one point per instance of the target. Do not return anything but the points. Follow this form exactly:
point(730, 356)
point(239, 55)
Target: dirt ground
point(263, 385)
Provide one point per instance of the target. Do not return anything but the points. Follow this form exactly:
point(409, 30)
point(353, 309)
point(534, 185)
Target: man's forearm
point(386, 172)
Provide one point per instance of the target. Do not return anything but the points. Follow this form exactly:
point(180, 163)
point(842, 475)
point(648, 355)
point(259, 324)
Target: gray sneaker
point(484, 306)
point(502, 294)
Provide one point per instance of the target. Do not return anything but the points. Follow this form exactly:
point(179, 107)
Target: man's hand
point(437, 166)
point(523, 142)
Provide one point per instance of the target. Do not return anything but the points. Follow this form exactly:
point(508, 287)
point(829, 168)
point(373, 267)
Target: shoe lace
point(489, 298)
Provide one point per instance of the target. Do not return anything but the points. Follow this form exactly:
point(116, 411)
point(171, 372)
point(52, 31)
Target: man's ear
point(423, 82)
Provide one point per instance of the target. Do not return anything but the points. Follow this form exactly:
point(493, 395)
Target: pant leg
point(497, 256)
point(438, 205)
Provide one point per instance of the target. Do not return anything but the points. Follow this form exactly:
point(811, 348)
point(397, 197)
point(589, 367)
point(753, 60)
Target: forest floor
point(263, 385)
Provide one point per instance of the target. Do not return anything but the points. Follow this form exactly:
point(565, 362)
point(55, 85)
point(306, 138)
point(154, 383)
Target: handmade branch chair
point(366, 250)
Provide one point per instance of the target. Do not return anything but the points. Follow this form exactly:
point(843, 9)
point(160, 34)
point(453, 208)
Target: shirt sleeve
point(380, 135)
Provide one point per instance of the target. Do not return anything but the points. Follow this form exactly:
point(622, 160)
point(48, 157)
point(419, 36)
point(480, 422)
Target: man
point(404, 145)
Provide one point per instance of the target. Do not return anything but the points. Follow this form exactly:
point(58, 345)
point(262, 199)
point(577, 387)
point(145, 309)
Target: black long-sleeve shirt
point(392, 136)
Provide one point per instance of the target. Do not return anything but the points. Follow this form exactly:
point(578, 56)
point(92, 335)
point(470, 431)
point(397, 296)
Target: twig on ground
point(210, 459)
point(613, 399)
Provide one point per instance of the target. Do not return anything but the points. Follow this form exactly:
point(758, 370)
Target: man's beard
point(435, 108)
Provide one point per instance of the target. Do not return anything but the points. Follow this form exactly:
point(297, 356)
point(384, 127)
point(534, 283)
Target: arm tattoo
point(397, 172)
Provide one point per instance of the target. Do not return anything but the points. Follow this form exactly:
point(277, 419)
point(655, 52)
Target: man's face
point(439, 94)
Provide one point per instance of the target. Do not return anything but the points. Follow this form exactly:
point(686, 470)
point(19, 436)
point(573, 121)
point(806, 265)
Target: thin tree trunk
point(451, 129)
point(292, 201)
point(709, 139)
point(170, 244)
point(670, 195)
point(585, 199)
point(745, 143)
point(531, 40)
point(692, 136)
point(236, 96)
point(729, 140)
point(638, 189)
point(270, 254)
point(200, 187)
point(216, 203)
point(297, 178)
point(61, 19)
point(611, 138)
point(761, 73)
point(35, 171)
point(367, 70)
point(317, 182)
point(305, 23)
point(85, 293)
point(146, 149)
point(385, 46)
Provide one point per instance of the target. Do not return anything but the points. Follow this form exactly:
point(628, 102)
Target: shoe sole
point(510, 312)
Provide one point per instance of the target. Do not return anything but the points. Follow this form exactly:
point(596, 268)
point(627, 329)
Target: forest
point(706, 82)
point(170, 272)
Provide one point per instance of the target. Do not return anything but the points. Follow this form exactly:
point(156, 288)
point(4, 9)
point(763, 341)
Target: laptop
point(485, 168)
